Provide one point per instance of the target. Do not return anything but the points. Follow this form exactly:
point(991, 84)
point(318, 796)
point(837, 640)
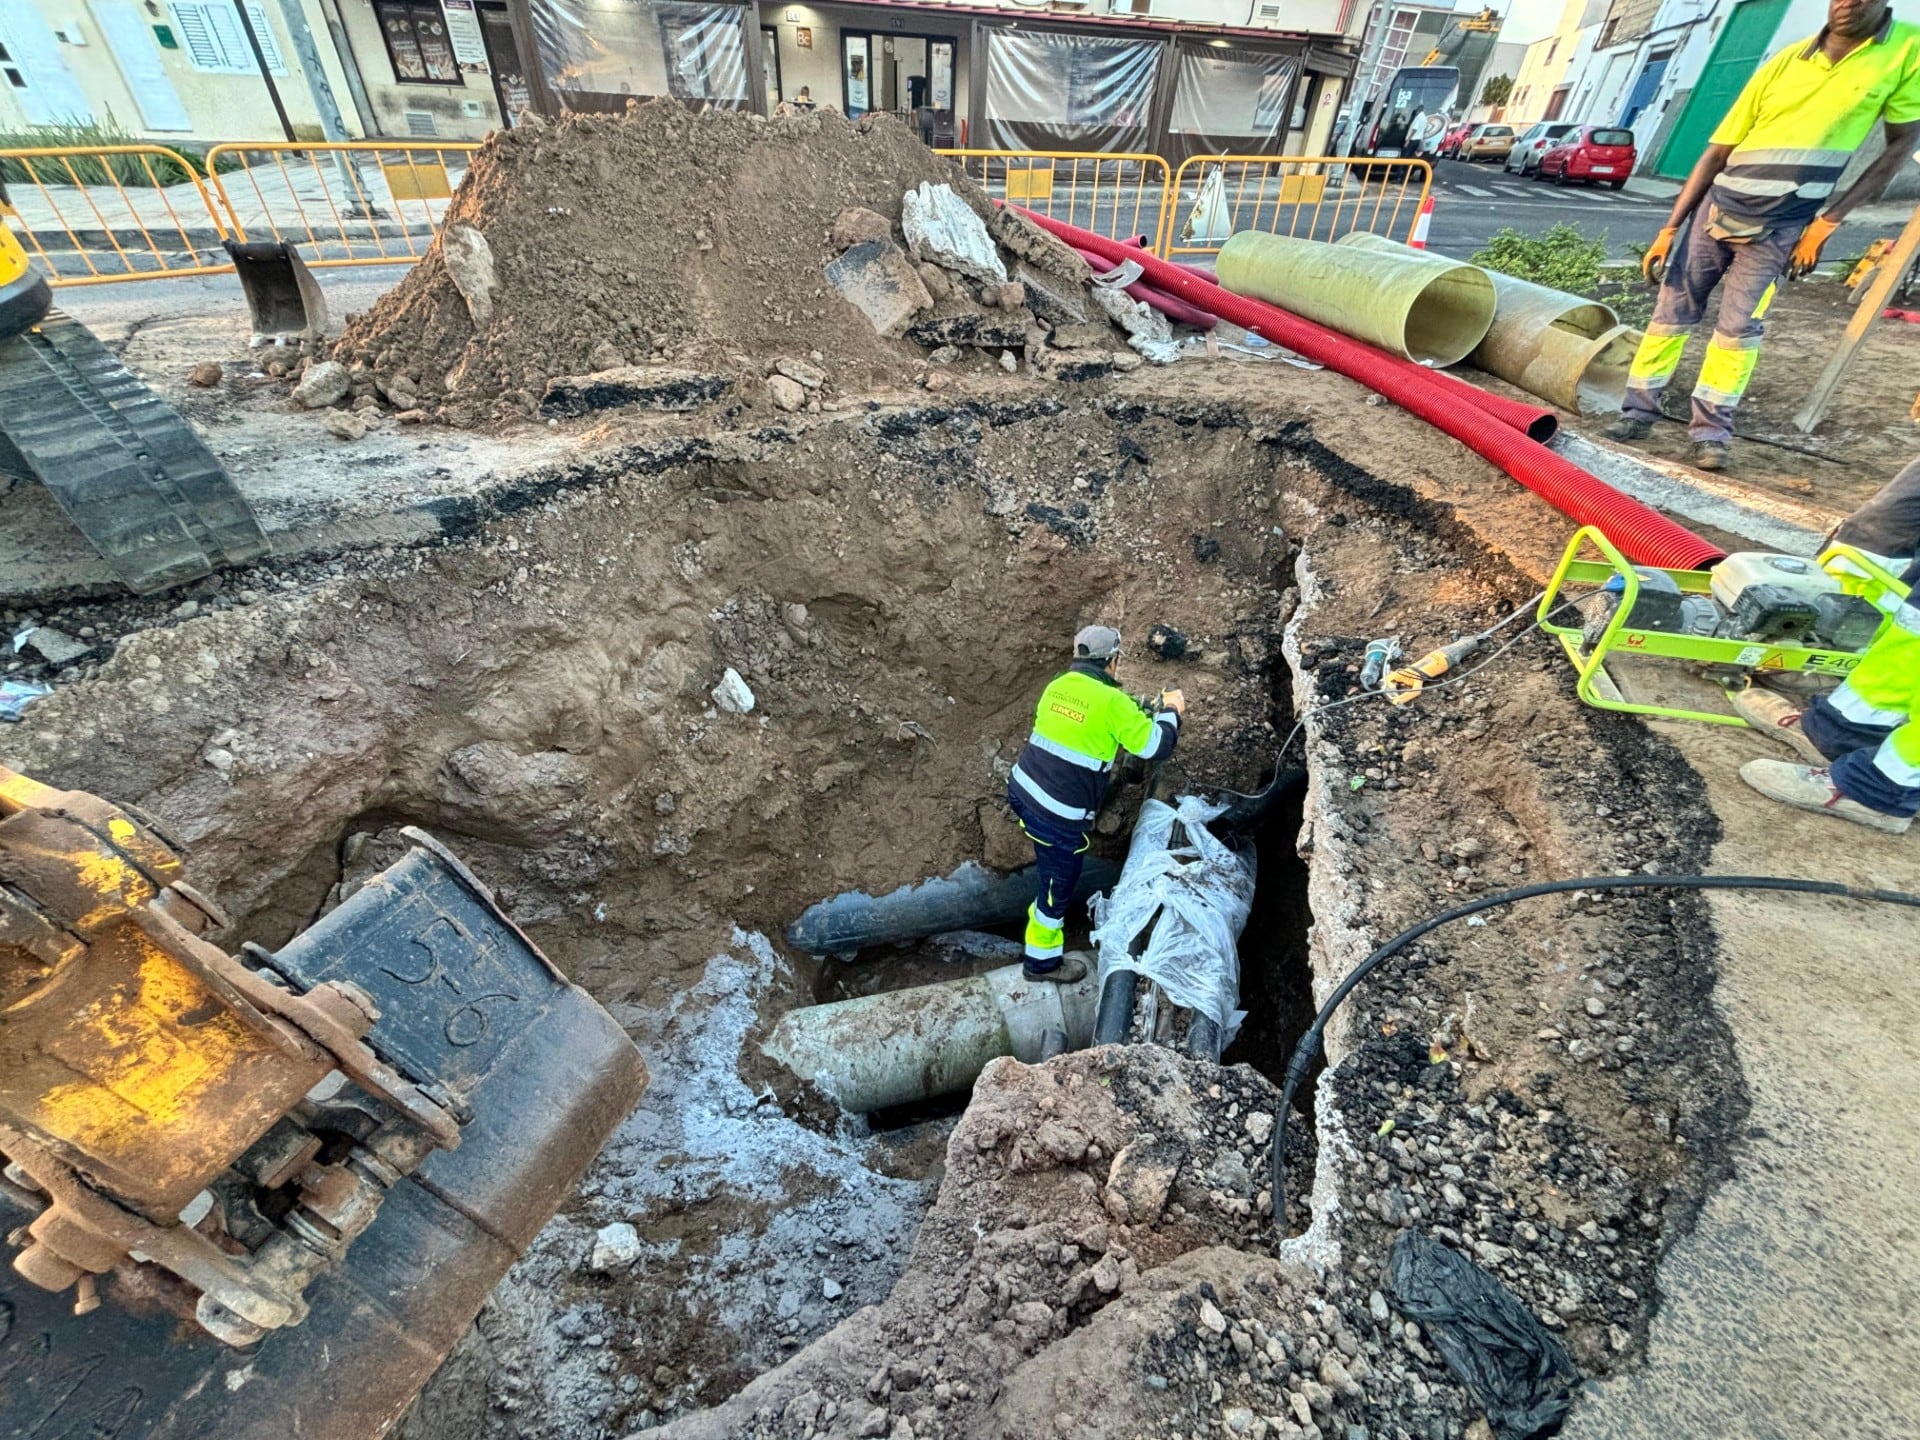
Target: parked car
point(1524, 158)
point(1597, 154)
point(1450, 142)
point(1487, 142)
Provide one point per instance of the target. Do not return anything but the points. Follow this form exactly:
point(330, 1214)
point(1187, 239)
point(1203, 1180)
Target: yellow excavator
point(263, 1194)
point(122, 463)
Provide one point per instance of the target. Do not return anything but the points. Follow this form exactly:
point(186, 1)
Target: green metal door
point(1743, 44)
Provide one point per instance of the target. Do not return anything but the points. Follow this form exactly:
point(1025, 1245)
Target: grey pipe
point(905, 1046)
point(971, 898)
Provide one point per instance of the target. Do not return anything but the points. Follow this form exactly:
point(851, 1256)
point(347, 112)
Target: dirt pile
point(660, 239)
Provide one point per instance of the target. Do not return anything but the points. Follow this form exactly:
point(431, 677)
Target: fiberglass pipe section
point(905, 1046)
point(1417, 306)
point(1567, 350)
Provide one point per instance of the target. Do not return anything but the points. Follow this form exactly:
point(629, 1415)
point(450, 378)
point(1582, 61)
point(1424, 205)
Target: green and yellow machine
point(1752, 614)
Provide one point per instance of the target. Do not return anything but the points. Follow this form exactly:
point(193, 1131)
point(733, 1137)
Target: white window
point(215, 41)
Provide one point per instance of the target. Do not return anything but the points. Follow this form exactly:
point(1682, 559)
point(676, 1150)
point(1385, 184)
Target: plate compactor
point(265, 1194)
point(1753, 613)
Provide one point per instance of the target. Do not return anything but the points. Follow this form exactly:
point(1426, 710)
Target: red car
point(1594, 153)
point(1449, 147)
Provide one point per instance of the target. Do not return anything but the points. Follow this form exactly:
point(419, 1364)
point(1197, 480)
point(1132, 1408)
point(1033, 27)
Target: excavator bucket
point(122, 463)
point(284, 300)
point(265, 1195)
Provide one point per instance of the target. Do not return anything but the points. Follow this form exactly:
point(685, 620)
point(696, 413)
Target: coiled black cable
point(1309, 1047)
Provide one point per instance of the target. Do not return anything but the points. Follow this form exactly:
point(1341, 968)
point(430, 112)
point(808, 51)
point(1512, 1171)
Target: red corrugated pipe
point(1490, 425)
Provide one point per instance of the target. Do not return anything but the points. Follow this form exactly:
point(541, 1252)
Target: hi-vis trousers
point(1748, 273)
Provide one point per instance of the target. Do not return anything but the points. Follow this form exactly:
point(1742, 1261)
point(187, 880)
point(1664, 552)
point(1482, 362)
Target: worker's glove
point(1806, 254)
point(1175, 701)
point(1653, 264)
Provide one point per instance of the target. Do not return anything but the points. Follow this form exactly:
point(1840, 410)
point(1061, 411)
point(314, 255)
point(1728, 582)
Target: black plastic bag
point(1513, 1366)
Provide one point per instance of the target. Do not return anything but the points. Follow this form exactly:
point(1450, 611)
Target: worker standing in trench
point(1767, 181)
point(1082, 721)
point(1863, 739)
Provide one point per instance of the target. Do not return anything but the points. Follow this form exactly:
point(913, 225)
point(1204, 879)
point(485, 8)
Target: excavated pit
point(894, 587)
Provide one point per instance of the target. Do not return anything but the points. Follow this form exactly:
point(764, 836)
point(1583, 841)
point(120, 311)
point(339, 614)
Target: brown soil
point(694, 238)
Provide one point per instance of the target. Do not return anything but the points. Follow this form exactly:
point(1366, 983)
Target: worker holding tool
point(1861, 741)
point(1767, 180)
point(1082, 721)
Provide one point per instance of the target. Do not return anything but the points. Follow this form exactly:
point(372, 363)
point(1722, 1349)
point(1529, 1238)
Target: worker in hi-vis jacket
point(1082, 721)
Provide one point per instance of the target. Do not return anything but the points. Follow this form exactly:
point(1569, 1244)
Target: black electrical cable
point(1309, 1047)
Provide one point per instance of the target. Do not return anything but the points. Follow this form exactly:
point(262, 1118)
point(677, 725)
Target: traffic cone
point(1420, 223)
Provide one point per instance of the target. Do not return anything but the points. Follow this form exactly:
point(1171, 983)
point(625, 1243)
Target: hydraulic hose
point(1484, 423)
point(1305, 1053)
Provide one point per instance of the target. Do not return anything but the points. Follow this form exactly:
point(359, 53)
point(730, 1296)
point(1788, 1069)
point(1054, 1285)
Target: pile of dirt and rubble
point(688, 253)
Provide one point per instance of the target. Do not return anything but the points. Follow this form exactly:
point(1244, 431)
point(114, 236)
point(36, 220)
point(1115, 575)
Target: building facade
point(1172, 76)
point(1670, 69)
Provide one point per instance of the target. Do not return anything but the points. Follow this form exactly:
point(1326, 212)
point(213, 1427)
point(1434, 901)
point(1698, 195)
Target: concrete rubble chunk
point(324, 384)
point(1147, 329)
point(469, 261)
point(879, 281)
point(942, 227)
point(786, 393)
point(858, 225)
point(54, 645)
point(809, 375)
point(605, 356)
point(615, 1247)
point(652, 387)
point(732, 694)
point(1056, 301)
point(1141, 1177)
point(346, 424)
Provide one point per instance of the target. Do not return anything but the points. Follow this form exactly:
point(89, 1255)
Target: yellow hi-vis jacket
point(1082, 721)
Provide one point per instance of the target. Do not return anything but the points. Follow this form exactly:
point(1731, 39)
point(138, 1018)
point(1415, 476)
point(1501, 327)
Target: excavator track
point(120, 461)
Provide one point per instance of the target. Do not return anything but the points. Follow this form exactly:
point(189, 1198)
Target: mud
point(894, 584)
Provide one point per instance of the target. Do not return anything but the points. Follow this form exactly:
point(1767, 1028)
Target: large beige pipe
point(1420, 306)
point(1567, 350)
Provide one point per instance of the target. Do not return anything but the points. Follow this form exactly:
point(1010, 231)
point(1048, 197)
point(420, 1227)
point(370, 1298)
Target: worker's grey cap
point(1096, 642)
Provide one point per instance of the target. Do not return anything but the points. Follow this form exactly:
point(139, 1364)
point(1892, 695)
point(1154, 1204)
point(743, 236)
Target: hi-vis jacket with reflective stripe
point(1801, 117)
point(1080, 724)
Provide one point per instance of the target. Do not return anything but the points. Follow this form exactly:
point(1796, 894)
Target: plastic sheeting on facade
point(1193, 896)
point(599, 54)
point(1232, 93)
point(1052, 91)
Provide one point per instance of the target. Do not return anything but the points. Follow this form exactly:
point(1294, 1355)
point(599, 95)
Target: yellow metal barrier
point(1310, 197)
point(92, 215)
point(353, 202)
point(1117, 196)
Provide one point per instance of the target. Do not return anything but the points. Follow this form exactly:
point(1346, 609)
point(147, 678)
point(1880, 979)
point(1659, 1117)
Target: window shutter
point(217, 42)
point(203, 47)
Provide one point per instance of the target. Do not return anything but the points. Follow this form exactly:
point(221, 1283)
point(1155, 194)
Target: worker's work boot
point(1807, 787)
point(1711, 455)
point(1071, 970)
point(1630, 428)
point(1775, 716)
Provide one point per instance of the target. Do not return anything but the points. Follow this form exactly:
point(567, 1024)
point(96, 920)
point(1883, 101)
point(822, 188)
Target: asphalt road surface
point(1470, 202)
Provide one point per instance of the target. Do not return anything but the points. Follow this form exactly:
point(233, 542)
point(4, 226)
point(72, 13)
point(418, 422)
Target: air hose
point(1308, 1049)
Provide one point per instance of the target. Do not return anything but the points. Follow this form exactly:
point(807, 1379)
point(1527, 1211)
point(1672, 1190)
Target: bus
point(1413, 91)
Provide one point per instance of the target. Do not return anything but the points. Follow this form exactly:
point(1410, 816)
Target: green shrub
point(97, 170)
point(1562, 257)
